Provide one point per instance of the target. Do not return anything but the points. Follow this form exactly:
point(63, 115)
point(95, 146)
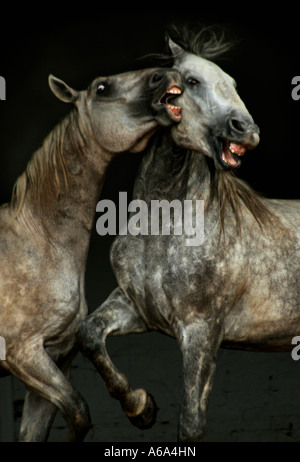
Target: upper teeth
point(235, 152)
point(175, 91)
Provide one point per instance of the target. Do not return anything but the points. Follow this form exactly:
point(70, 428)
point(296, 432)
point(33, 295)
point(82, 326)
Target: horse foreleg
point(199, 344)
point(116, 316)
point(33, 366)
point(38, 413)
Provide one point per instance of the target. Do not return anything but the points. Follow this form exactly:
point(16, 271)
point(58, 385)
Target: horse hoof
point(145, 415)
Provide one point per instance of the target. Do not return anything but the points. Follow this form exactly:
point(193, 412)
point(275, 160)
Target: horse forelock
point(207, 41)
point(47, 174)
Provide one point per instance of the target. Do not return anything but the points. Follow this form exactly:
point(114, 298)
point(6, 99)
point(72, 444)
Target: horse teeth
point(174, 91)
point(234, 152)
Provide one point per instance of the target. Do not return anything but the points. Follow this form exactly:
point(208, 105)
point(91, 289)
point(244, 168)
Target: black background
point(85, 40)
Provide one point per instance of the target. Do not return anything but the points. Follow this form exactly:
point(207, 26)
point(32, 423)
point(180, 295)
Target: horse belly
point(263, 325)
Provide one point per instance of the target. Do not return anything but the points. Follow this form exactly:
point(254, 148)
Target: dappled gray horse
point(238, 289)
point(45, 234)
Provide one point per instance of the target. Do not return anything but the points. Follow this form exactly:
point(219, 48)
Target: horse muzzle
point(244, 131)
point(166, 85)
point(240, 135)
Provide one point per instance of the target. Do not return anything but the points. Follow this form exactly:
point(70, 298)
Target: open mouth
point(231, 153)
point(167, 98)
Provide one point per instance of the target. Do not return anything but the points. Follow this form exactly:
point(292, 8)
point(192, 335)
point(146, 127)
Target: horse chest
point(162, 276)
point(129, 264)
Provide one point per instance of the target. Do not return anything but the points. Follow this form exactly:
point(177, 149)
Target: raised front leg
point(116, 316)
point(199, 344)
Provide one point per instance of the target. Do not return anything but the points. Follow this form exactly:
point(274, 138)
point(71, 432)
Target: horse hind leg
point(38, 413)
point(37, 418)
point(117, 316)
point(35, 368)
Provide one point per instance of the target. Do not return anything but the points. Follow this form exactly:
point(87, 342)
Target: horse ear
point(61, 90)
point(176, 50)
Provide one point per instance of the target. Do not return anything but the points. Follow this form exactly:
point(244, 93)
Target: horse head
point(215, 120)
point(122, 112)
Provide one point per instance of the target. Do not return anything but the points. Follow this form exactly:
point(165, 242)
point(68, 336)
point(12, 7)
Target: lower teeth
point(175, 109)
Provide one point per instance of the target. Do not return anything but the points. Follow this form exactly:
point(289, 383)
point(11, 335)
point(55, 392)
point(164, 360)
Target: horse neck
point(169, 172)
point(57, 193)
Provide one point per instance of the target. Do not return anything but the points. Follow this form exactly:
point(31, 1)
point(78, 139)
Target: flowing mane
point(47, 174)
point(230, 191)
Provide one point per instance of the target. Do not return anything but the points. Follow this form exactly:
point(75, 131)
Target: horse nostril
point(156, 78)
point(238, 125)
point(243, 131)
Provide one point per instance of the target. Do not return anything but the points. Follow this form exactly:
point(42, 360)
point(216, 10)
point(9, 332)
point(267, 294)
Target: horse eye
point(101, 88)
point(192, 81)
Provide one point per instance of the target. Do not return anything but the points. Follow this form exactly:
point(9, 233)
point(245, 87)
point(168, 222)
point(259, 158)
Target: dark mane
point(206, 41)
point(229, 191)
